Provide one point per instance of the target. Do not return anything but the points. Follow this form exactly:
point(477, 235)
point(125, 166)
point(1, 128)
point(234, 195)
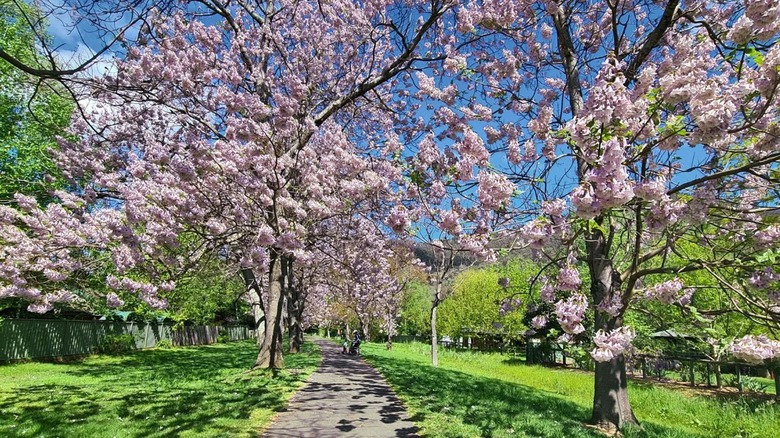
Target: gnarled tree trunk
point(270, 355)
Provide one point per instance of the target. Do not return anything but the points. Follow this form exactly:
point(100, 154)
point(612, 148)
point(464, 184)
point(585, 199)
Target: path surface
point(345, 397)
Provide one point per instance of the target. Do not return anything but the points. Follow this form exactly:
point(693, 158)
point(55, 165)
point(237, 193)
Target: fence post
point(739, 378)
point(644, 367)
point(692, 373)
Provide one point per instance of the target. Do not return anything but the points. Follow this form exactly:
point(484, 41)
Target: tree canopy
point(631, 146)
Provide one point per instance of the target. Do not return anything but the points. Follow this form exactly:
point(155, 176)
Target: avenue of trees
point(300, 151)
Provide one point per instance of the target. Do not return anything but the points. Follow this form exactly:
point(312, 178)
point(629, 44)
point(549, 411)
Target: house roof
point(671, 334)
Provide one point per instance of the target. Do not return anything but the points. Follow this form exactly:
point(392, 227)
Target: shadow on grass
point(198, 391)
point(725, 395)
point(494, 407)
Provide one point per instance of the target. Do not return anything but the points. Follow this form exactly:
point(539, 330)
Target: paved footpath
point(345, 397)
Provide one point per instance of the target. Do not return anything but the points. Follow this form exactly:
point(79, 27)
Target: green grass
point(198, 391)
point(728, 380)
point(489, 395)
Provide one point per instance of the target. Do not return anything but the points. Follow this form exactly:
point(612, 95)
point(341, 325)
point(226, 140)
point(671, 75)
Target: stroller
point(354, 348)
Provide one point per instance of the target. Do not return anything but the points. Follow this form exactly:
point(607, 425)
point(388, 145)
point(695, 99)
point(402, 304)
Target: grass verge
point(489, 395)
point(197, 391)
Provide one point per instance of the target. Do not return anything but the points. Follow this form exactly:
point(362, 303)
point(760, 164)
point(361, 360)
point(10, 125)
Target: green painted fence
point(44, 338)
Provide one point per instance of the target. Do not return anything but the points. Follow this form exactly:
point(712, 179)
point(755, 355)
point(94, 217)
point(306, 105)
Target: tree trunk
point(295, 323)
point(294, 310)
point(389, 342)
point(255, 299)
point(296, 333)
point(434, 343)
point(611, 408)
point(718, 376)
point(271, 355)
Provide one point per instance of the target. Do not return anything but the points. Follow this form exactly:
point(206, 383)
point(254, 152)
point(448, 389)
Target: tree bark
point(271, 355)
point(434, 335)
point(718, 376)
point(296, 330)
point(434, 344)
point(255, 299)
point(611, 408)
point(295, 306)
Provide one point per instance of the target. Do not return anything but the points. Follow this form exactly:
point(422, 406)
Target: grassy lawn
point(489, 395)
point(197, 391)
point(729, 380)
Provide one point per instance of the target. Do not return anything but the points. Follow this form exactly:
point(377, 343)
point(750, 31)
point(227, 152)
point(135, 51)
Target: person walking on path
point(344, 397)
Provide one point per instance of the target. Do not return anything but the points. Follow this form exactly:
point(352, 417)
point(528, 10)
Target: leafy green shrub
point(582, 359)
point(223, 337)
point(749, 384)
point(116, 344)
point(164, 344)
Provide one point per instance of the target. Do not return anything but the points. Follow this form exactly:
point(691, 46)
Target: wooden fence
point(694, 370)
point(45, 338)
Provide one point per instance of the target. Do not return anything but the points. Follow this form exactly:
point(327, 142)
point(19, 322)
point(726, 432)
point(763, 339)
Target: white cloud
point(104, 64)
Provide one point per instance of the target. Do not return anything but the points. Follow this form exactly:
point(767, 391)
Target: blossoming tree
point(622, 131)
point(239, 132)
point(632, 129)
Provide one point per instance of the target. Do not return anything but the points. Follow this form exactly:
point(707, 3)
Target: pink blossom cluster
point(547, 291)
point(651, 189)
point(612, 344)
point(759, 22)
point(554, 208)
point(755, 349)
point(494, 190)
point(113, 300)
point(611, 305)
point(606, 185)
point(768, 236)
point(669, 292)
point(48, 243)
point(566, 338)
point(398, 219)
point(608, 99)
point(570, 312)
point(539, 322)
point(537, 233)
point(762, 279)
point(450, 222)
point(568, 279)
point(664, 213)
point(427, 152)
point(46, 302)
point(684, 73)
point(427, 87)
point(509, 305)
point(477, 244)
point(145, 291)
point(472, 152)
